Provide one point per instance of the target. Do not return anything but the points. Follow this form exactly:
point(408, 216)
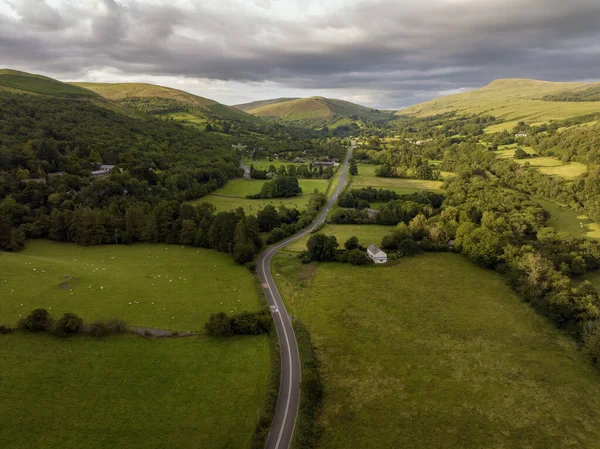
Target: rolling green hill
point(327, 110)
point(15, 81)
point(512, 100)
point(166, 101)
point(260, 103)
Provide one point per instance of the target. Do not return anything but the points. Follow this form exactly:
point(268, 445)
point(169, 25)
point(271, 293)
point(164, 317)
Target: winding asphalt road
point(286, 410)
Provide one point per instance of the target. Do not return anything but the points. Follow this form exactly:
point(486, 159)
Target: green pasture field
point(233, 195)
point(553, 166)
point(565, 219)
point(130, 392)
point(435, 352)
point(224, 203)
point(508, 151)
point(366, 178)
point(162, 286)
point(366, 235)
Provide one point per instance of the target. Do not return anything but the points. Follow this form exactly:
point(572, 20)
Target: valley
point(479, 330)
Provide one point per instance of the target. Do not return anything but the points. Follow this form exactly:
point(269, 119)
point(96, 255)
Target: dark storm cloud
point(403, 51)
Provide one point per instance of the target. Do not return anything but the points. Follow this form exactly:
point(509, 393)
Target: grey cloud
point(401, 52)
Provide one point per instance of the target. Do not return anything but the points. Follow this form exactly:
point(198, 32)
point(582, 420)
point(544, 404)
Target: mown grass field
point(366, 235)
point(435, 352)
point(163, 286)
point(233, 195)
point(366, 178)
point(129, 392)
point(565, 219)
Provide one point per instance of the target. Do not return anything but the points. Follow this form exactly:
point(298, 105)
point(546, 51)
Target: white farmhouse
point(375, 253)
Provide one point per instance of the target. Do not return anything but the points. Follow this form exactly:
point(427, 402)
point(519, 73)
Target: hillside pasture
point(130, 392)
point(508, 151)
point(511, 101)
point(366, 234)
point(552, 166)
point(163, 286)
point(435, 352)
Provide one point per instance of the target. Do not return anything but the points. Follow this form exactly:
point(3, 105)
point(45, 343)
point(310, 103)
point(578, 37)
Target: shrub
point(102, 329)
point(247, 323)
point(116, 326)
point(37, 321)
point(5, 330)
point(218, 325)
point(354, 257)
point(98, 329)
point(351, 243)
point(68, 324)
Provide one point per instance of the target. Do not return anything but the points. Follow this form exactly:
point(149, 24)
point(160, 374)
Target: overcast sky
point(381, 53)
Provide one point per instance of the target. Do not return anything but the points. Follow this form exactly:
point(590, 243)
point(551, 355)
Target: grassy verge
point(265, 418)
point(308, 429)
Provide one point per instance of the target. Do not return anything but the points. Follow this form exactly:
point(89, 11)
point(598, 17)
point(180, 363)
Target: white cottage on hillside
point(375, 253)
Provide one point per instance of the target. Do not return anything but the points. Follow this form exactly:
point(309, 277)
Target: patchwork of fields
point(127, 391)
point(435, 352)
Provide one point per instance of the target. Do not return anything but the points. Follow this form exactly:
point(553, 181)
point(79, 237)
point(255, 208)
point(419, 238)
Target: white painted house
point(375, 253)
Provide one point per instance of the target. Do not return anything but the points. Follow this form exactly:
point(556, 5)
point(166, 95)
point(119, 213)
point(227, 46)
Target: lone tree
point(353, 169)
point(321, 247)
point(351, 243)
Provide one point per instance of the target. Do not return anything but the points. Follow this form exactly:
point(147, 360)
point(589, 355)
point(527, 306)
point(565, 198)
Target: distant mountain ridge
point(314, 109)
point(514, 100)
point(154, 99)
point(260, 103)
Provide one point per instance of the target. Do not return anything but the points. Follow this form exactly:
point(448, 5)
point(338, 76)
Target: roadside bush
point(5, 330)
point(218, 325)
point(247, 323)
point(37, 321)
point(68, 324)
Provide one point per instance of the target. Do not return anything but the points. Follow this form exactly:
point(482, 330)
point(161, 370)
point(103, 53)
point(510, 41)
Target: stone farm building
point(375, 253)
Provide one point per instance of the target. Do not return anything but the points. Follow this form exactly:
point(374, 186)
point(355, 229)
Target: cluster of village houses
point(102, 170)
